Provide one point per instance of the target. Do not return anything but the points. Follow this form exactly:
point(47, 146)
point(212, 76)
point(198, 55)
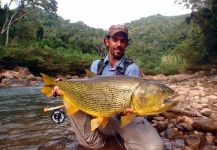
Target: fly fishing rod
point(54, 108)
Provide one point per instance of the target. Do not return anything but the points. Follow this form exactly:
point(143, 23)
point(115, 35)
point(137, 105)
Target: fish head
point(149, 98)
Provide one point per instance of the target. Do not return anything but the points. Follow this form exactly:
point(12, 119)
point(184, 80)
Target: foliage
point(206, 18)
point(45, 60)
point(152, 37)
point(191, 48)
point(23, 8)
point(171, 64)
point(204, 15)
point(48, 43)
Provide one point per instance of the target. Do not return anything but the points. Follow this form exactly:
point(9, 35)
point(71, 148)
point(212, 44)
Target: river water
point(25, 125)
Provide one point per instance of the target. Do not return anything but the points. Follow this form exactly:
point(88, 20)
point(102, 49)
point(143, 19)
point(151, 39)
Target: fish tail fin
point(47, 91)
point(48, 80)
point(49, 85)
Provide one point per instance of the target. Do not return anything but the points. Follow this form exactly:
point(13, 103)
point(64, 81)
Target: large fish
point(105, 96)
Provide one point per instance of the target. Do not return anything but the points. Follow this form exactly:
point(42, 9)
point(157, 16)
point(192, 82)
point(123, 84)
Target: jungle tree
point(204, 14)
point(23, 8)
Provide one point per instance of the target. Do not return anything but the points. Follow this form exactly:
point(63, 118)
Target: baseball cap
point(117, 28)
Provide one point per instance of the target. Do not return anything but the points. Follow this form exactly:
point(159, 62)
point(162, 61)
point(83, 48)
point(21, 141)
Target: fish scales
point(104, 96)
point(101, 96)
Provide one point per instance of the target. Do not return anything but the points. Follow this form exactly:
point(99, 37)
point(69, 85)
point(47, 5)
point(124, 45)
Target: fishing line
point(115, 136)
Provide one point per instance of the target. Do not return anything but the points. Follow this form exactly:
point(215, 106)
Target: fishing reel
point(58, 116)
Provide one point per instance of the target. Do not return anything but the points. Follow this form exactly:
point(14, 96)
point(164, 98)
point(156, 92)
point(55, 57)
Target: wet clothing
point(137, 135)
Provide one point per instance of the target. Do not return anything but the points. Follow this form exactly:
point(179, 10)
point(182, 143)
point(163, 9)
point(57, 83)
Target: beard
point(117, 53)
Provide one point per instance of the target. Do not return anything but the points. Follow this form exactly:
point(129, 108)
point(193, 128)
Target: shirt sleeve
point(93, 67)
point(133, 70)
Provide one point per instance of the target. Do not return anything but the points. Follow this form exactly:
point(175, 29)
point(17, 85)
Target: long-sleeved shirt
point(131, 70)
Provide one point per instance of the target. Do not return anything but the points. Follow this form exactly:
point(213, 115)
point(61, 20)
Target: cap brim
point(114, 32)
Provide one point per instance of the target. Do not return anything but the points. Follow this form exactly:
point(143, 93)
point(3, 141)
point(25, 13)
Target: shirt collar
point(118, 63)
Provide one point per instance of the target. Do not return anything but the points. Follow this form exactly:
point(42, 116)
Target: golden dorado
point(105, 96)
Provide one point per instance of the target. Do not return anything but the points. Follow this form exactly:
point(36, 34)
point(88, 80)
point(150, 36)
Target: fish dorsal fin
point(127, 119)
point(70, 107)
point(90, 74)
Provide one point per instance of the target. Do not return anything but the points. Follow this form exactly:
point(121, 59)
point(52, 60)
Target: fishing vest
point(119, 70)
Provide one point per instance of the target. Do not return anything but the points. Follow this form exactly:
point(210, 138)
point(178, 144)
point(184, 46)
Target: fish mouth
point(168, 103)
point(167, 100)
point(167, 97)
point(154, 103)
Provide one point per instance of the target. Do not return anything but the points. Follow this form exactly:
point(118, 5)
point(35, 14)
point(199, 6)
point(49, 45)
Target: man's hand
point(126, 111)
point(56, 91)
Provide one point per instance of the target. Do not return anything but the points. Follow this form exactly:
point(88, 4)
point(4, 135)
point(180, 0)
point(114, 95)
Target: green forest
point(34, 36)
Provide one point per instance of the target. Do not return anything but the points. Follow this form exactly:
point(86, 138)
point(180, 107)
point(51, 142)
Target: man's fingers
point(58, 79)
point(127, 111)
point(56, 91)
point(55, 94)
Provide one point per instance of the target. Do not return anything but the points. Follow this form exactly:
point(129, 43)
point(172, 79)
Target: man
point(137, 135)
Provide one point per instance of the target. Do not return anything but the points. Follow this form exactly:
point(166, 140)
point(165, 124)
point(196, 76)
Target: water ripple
point(23, 123)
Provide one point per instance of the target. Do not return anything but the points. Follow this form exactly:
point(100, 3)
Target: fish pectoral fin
point(95, 123)
point(127, 119)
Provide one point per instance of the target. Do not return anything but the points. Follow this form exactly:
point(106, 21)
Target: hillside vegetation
point(45, 42)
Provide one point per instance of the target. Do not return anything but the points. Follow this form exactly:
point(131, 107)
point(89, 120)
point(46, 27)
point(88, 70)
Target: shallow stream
point(23, 122)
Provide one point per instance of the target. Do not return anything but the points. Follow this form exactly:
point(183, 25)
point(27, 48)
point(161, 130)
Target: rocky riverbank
point(191, 125)
point(19, 76)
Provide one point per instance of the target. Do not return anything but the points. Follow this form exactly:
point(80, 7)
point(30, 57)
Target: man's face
point(117, 44)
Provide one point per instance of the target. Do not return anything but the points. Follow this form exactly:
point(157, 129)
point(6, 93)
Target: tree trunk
point(7, 31)
point(11, 21)
point(7, 36)
point(0, 37)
